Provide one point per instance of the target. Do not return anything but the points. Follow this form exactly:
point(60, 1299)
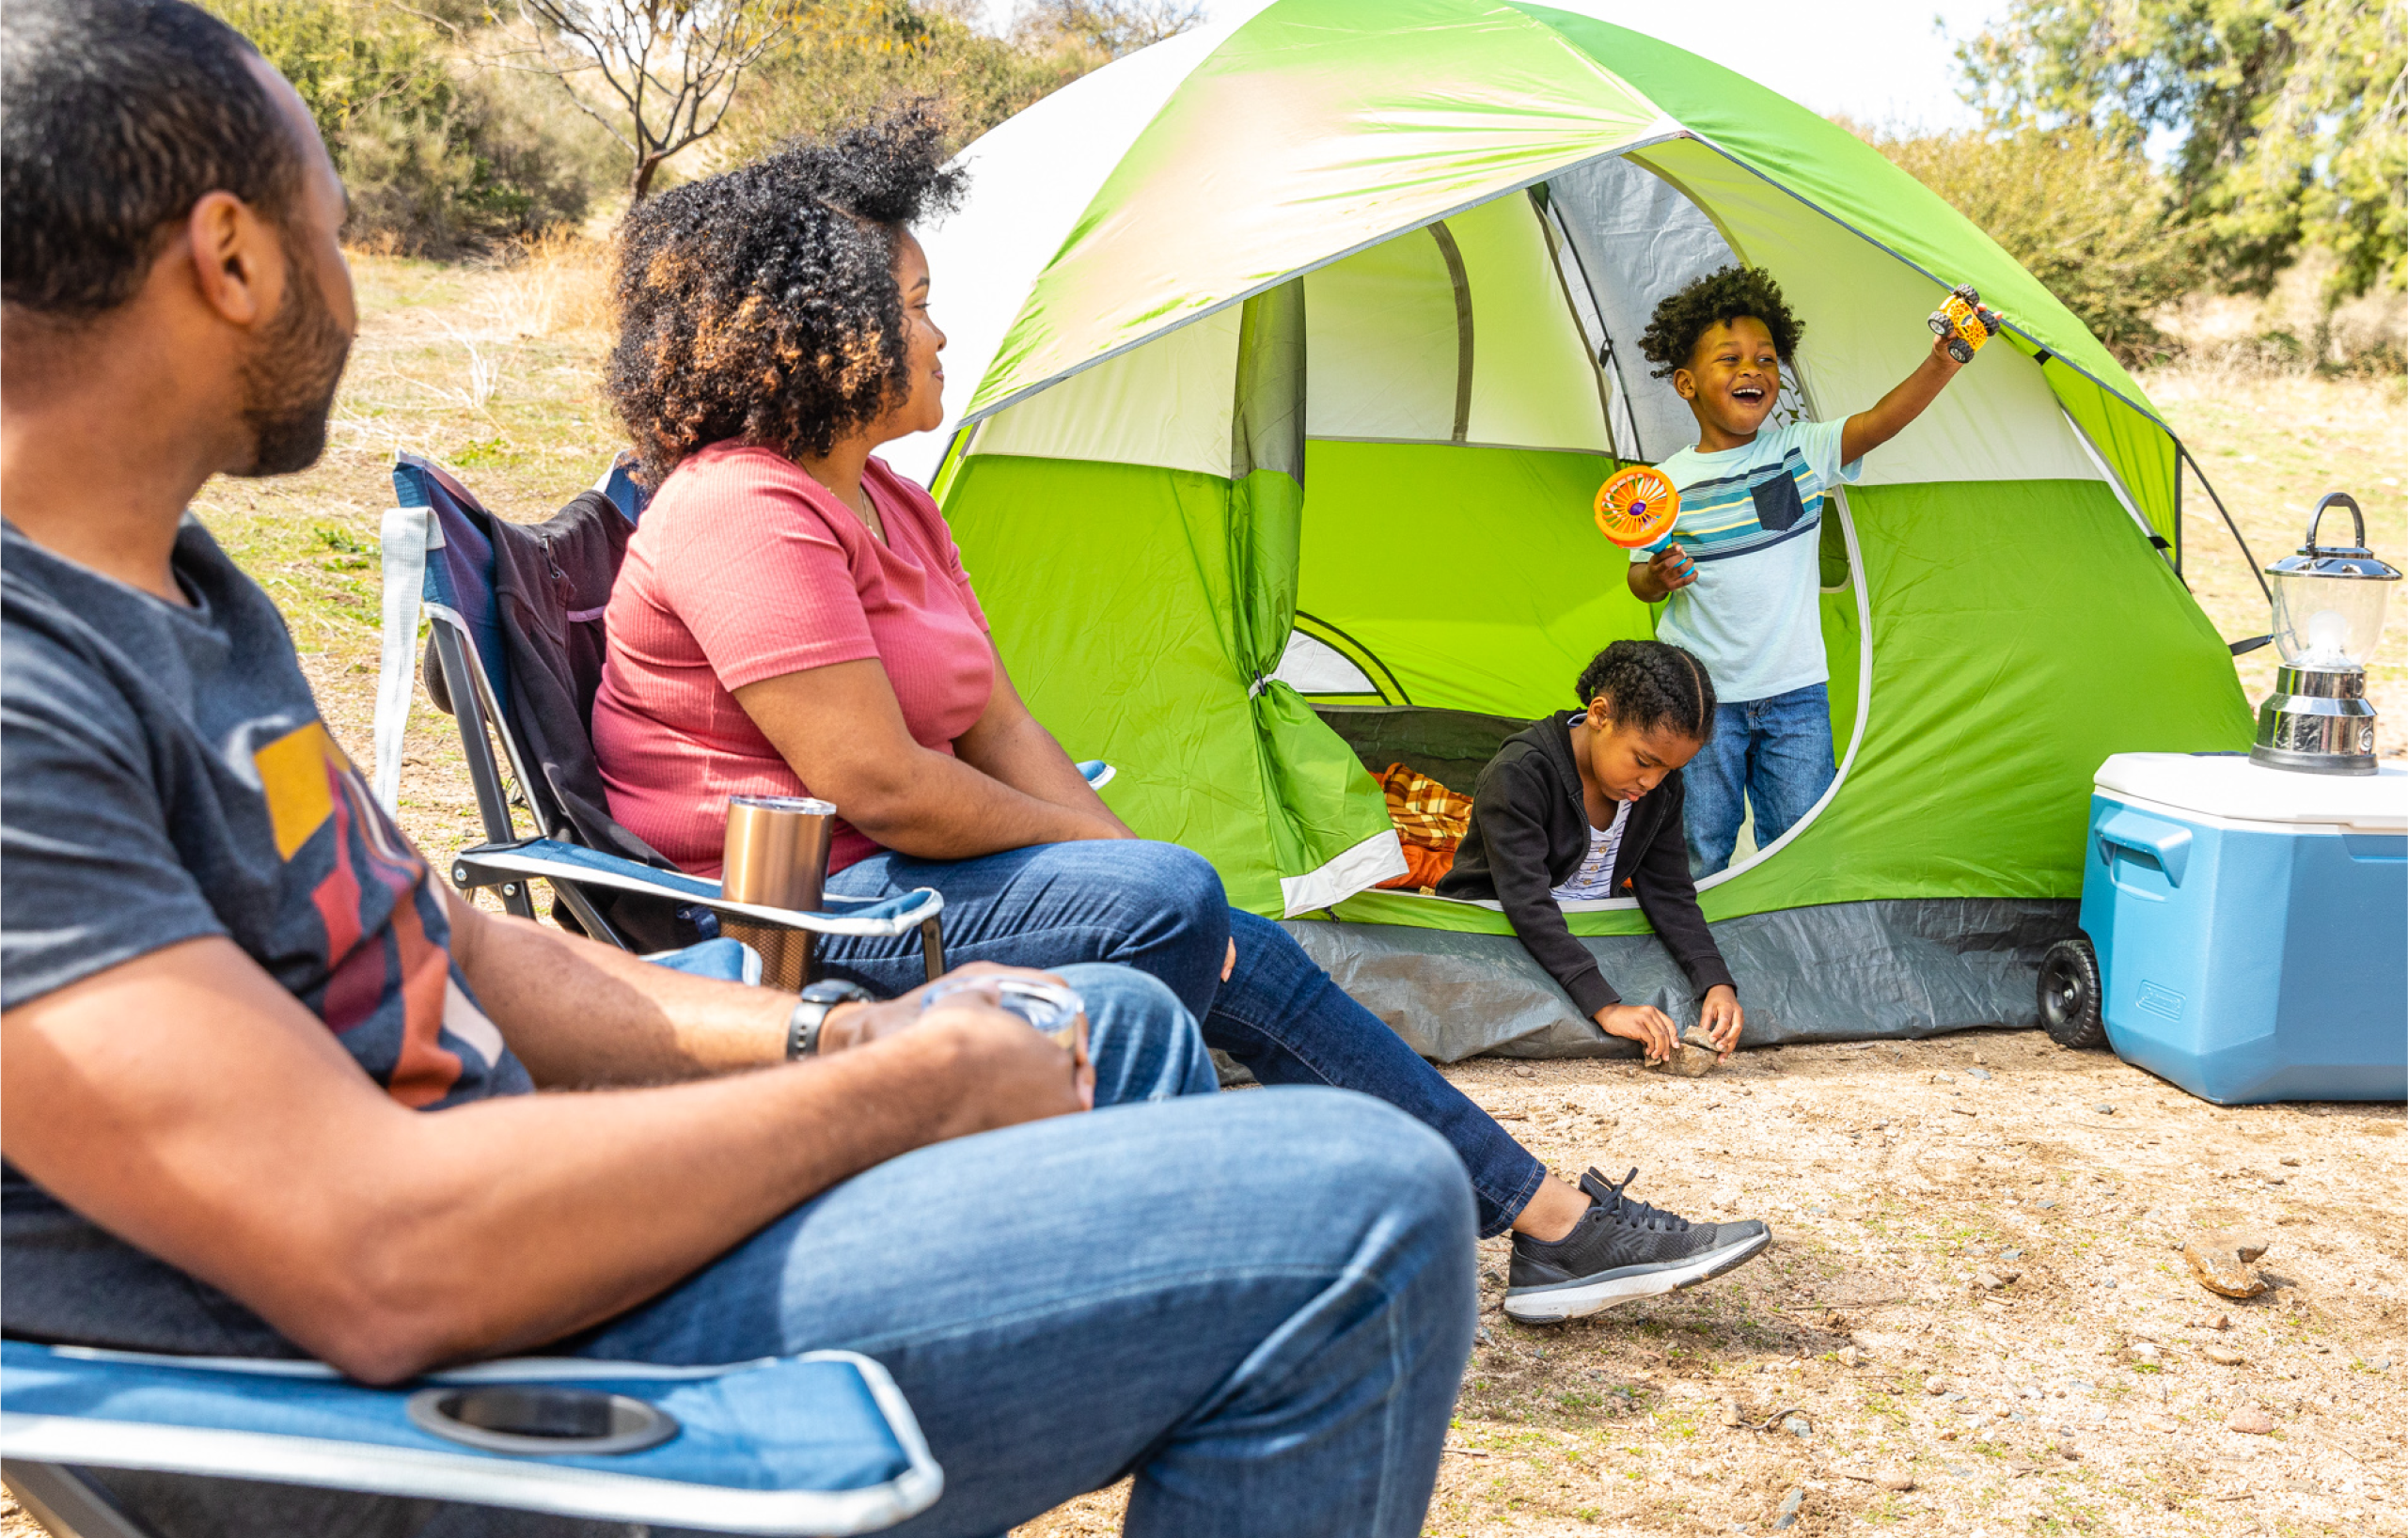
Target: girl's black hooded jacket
point(1529, 834)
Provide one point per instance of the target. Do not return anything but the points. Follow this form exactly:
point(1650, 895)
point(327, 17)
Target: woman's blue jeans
point(1160, 909)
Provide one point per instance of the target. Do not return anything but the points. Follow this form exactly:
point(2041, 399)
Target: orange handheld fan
point(1635, 506)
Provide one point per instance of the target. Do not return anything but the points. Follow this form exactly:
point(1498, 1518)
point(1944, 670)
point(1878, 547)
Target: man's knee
point(1144, 1044)
point(1363, 1159)
point(1104, 985)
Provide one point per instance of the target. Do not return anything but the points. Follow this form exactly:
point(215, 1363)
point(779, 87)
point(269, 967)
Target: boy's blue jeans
point(1777, 752)
point(1160, 909)
point(1259, 1304)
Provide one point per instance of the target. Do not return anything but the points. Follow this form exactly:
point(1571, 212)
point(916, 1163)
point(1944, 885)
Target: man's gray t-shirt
point(164, 776)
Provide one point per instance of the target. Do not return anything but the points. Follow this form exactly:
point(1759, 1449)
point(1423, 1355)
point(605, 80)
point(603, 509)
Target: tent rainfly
point(1294, 350)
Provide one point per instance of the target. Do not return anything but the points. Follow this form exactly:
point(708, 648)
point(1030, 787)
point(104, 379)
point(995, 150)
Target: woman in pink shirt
point(794, 616)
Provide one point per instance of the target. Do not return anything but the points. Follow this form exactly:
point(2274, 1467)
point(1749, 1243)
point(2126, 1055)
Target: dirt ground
point(1899, 1179)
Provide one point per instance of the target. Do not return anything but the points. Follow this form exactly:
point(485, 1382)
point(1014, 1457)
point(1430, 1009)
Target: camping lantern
point(2328, 614)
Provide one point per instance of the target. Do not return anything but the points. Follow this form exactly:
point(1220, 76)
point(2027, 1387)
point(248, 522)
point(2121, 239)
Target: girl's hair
point(762, 305)
point(1718, 299)
point(1652, 683)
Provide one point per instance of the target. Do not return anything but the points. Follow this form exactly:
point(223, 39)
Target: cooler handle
point(2167, 844)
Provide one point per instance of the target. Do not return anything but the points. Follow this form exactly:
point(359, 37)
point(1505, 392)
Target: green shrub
point(2085, 217)
point(440, 157)
point(849, 59)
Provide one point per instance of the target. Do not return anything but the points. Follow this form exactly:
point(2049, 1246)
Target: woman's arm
point(842, 732)
point(1009, 744)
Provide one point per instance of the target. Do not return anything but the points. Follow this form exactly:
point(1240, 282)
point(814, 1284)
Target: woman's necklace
point(868, 513)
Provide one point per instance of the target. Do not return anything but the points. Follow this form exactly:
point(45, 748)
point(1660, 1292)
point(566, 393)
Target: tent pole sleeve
point(1455, 275)
point(2254, 570)
point(1558, 244)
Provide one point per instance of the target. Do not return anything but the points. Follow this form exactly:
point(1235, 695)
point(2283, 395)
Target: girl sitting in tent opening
point(1588, 806)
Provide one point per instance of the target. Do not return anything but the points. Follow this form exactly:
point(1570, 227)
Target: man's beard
point(289, 381)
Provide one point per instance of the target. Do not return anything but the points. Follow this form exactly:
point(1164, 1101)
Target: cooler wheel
point(2069, 995)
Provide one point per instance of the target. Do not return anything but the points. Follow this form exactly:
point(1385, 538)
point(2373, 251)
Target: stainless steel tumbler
point(776, 855)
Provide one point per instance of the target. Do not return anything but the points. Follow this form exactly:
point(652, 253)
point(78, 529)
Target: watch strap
point(810, 1014)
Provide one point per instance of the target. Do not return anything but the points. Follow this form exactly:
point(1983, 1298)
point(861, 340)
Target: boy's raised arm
point(1869, 429)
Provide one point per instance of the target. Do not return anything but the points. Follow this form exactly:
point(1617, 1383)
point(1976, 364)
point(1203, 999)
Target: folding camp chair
point(102, 1444)
point(438, 553)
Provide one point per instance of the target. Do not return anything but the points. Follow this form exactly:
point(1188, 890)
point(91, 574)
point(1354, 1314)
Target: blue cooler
point(2251, 926)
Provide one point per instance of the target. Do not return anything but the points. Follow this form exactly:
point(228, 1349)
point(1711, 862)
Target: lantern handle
point(2357, 522)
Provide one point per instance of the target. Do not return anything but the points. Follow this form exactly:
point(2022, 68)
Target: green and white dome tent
point(1288, 356)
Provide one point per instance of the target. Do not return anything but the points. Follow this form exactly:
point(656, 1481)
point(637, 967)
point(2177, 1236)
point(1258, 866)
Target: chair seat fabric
point(821, 1443)
point(723, 959)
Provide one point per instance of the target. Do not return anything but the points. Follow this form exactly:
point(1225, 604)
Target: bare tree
point(671, 64)
point(1114, 27)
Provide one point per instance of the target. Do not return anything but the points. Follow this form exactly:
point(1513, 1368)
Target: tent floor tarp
point(1840, 972)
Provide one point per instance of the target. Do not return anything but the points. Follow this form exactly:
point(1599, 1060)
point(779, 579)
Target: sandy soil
point(1900, 1180)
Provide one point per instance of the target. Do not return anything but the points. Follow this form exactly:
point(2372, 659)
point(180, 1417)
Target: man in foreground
point(266, 1081)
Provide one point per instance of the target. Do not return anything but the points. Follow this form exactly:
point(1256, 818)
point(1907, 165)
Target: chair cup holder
point(540, 1419)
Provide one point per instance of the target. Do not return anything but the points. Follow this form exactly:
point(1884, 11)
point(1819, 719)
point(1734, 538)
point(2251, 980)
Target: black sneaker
point(1621, 1249)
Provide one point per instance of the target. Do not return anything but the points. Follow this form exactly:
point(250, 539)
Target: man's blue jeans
point(1160, 908)
point(1259, 1304)
point(1777, 752)
point(1143, 1044)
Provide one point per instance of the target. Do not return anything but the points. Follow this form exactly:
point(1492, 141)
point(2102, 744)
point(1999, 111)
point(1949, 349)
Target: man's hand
point(1229, 962)
point(1721, 1017)
point(858, 1024)
point(1666, 572)
point(1650, 1028)
point(1012, 1073)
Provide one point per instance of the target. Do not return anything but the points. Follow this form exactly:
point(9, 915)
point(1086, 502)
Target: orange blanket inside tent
point(1430, 822)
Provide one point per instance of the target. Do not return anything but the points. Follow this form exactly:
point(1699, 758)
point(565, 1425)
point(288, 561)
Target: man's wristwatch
point(811, 1010)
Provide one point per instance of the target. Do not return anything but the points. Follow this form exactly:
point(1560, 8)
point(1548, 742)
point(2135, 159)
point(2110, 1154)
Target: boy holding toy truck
point(1738, 568)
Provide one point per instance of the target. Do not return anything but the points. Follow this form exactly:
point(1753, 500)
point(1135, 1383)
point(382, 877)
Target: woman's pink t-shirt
point(745, 569)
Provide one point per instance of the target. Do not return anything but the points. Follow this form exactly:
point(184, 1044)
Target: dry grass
point(556, 284)
point(2272, 445)
point(1885, 1194)
point(2290, 328)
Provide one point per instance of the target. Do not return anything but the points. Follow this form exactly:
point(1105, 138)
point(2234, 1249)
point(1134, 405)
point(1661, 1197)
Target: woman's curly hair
point(1652, 683)
point(761, 304)
point(1717, 299)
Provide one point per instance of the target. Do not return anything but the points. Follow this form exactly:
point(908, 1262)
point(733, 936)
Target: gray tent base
point(1840, 972)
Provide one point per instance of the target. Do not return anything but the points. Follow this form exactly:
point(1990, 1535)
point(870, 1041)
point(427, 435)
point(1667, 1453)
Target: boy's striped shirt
point(1749, 517)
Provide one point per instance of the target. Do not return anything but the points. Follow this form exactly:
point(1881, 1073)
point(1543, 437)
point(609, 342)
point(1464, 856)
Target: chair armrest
point(554, 861)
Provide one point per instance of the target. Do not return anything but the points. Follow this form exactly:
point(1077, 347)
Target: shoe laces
point(1615, 1203)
